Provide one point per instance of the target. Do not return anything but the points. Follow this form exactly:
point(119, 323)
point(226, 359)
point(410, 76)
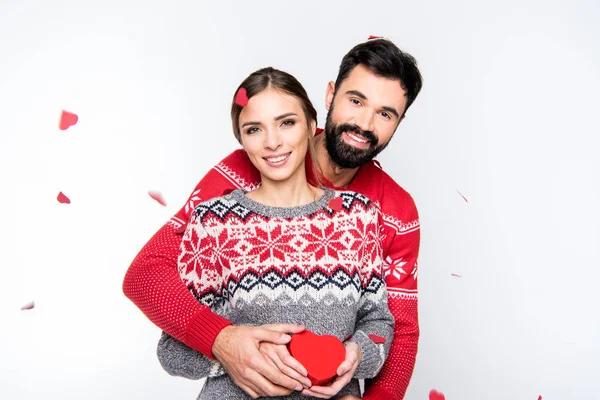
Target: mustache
point(355, 129)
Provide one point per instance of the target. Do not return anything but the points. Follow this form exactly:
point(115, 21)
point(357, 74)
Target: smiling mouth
point(277, 159)
point(359, 139)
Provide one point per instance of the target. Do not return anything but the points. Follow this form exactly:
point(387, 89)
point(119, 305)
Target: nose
point(272, 140)
point(365, 120)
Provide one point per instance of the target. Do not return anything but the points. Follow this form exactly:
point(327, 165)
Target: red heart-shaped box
point(320, 355)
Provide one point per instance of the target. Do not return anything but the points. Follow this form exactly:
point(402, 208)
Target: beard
point(341, 153)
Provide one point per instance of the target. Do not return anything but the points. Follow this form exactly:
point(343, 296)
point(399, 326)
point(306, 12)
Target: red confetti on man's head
point(375, 37)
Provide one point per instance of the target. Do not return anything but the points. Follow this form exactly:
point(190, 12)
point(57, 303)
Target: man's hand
point(237, 349)
point(345, 373)
point(349, 397)
point(280, 356)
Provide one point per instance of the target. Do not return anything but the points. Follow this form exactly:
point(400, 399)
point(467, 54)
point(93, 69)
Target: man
point(375, 86)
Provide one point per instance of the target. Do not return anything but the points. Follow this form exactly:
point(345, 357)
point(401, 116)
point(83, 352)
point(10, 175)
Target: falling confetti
point(461, 195)
point(241, 98)
point(457, 275)
point(28, 306)
point(435, 395)
point(540, 398)
point(158, 197)
point(375, 37)
point(63, 199)
point(335, 204)
point(67, 119)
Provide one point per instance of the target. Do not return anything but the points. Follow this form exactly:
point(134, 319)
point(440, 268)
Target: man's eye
point(355, 101)
point(386, 115)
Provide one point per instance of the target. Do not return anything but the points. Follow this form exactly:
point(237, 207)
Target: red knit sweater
point(153, 282)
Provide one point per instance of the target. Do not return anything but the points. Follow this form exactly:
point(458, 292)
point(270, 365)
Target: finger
point(285, 328)
point(333, 388)
point(289, 371)
point(269, 372)
point(291, 362)
point(266, 335)
point(309, 392)
point(266, 387)
point(277, 363)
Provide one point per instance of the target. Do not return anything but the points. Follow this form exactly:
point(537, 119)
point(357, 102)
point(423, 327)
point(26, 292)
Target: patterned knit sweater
point(153, 283)
point(318, 264)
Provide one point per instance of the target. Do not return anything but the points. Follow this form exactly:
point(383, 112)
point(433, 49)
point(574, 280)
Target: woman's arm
point(181, 360)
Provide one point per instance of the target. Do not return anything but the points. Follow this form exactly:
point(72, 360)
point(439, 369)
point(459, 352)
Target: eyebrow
point(361, 96)
point(278, 118)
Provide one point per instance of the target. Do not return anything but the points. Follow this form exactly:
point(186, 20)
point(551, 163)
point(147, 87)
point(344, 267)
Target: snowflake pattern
point(394, 267)
point(194, 199)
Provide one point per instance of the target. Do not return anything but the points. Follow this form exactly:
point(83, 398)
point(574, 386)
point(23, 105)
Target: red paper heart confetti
point(28, 306)
point(63, 199)
point(158, 197)
point(377, 339)
point(335, 204)
point(435, 395)
point(241, 98)
point(375, 37)
point(540, 398)
point(461, 195)
point(67, 119)
point(320, 355)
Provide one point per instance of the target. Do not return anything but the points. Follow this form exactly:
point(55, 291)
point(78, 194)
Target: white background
point(508, 116)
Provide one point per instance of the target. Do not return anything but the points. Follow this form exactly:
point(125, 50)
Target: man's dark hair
point(383, 58)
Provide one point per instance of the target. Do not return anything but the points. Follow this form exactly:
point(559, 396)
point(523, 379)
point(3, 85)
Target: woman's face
point(274, 133)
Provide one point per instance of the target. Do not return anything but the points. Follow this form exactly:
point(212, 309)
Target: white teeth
point(358, 139)
point(278, 159)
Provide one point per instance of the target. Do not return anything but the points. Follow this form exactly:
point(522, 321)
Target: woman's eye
point(289, 122)
point(251, 130)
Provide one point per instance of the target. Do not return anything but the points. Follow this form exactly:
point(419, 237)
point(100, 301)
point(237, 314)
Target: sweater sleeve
point(401, 229)
point(152, 281)
point(181, 360)
point(375, 323)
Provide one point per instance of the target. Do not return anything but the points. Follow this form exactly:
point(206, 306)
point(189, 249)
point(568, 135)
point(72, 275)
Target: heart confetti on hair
point(435, 395)
point(28, 306)
point(158, 197)
point(67, 119)
point(335, 204)
point(241, 98)
point(461, 195)
point(375, 37)
point(62, 198)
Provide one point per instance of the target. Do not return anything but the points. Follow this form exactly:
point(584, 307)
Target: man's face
point(362, 117)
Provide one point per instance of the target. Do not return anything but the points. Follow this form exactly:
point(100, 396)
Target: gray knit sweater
point(318, 264)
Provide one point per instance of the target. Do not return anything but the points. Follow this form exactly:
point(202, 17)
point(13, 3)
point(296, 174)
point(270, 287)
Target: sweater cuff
point(371, 360)
point(203, 330)
point(377, 393)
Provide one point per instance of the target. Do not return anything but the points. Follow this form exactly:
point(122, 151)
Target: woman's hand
point(345, 373)
point(349, 397)
point(281, 358)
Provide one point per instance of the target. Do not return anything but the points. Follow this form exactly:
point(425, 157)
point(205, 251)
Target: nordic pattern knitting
point(255, 264)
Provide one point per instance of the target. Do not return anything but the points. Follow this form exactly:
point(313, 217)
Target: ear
point(329, 94)
point(313, 129)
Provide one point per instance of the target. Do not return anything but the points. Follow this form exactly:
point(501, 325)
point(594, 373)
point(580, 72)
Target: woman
point(286, 252)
